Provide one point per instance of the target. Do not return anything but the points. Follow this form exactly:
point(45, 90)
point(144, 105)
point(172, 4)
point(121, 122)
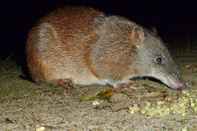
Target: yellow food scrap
point(42, 128)
point(185, 129)
point(105, 94)
point(185, 103)
point(96, 102)
point(133, 109)
point(155, 109)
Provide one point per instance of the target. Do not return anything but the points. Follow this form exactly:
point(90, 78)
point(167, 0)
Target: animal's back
point(58, 45)
point(87, 46)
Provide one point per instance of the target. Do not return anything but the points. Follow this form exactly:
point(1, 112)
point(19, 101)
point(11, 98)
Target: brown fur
point(61, 45)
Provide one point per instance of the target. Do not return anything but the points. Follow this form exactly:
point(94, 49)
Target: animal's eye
point(159, 60)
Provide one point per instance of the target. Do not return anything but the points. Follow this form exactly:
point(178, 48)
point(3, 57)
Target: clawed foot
point(67, 84)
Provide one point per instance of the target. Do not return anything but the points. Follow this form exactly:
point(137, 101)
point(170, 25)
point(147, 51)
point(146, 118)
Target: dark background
point(174, 20)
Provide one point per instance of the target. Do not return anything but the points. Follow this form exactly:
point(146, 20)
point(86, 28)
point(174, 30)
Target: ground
point(145, 106)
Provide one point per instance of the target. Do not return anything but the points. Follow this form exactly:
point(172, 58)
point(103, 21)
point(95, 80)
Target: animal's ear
point(99, 20)
point(137, 36)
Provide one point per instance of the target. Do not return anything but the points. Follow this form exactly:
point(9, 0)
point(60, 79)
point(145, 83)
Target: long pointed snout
point(174, 83)
point(178, 85)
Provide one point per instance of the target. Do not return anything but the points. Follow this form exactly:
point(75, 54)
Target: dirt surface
point(144, 106)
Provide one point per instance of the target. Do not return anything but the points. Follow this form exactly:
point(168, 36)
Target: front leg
point(67, 84)
point(120, 85)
